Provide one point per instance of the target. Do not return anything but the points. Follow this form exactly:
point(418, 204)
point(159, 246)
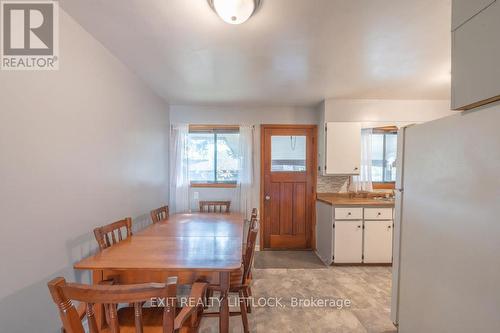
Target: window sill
point(384, 186)
point(214, 185)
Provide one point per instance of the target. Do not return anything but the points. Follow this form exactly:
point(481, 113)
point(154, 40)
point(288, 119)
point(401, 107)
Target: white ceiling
point(292, 52)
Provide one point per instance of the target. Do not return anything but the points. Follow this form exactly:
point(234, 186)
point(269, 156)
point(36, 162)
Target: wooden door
point(348, 242)
point(288, 186)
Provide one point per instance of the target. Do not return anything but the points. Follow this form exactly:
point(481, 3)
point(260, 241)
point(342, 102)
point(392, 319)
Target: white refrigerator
point(398, 210)
point(446, 265)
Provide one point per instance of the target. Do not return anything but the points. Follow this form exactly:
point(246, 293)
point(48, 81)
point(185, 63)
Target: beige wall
point(369, 112)
point(79, 147)
point(383, 110)
point(375, 113)
point(240, 115)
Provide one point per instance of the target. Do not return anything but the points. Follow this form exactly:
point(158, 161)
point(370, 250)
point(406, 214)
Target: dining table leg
point(224, 306)
point(97, 277)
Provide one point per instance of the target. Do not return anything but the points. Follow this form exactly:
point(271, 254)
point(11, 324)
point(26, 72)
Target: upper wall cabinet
point(476, 60)
point(342, 148)
point(463, 10)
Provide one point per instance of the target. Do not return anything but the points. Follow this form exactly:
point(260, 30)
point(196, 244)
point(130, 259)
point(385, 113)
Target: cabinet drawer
point(348, 213)
point(378, 213)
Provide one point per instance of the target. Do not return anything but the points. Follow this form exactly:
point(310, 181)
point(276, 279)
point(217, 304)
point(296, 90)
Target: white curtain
point(179, 176)
point(363, 182)
point(245, 176)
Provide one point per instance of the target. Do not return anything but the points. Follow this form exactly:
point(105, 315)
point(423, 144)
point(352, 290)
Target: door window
point(288, 153)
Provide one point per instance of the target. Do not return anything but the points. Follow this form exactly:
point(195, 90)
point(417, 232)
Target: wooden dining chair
point(240, 281)
point(159, 214)
point(127, 319)
point(113, 233)
point(251, 223)
point(255, 213)
point(215, 206)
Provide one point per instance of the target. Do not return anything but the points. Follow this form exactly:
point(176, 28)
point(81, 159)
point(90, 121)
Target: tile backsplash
point(332, 184)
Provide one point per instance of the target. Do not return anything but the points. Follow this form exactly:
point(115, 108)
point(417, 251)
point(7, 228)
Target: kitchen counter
point(342, 200)
point(354, 228)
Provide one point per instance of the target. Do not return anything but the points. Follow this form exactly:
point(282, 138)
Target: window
point(288, 153)
point(384, 149)
point(213, 155)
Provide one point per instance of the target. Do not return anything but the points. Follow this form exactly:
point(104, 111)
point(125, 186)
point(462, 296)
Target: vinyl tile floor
point(368, 289)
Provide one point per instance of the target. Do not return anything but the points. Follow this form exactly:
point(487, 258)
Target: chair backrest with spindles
point(251, 225)
point(250, 251)
point(159, 214)
point(255, 212)
point(215, 206)
point(64, 293)
point(113, 233)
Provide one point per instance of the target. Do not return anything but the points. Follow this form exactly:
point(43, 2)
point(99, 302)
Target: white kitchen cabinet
point(475, 60)
point(464, 10)
point(348, 242)
point(353, 235)
point(342, 148)
point(377, 242)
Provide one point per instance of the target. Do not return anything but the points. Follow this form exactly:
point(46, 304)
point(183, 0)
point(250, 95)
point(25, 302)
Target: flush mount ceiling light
point(234, 11)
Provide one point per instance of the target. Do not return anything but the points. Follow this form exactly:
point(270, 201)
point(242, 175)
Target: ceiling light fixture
point(234, 11)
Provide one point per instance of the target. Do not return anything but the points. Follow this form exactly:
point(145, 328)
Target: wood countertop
point(342, 200)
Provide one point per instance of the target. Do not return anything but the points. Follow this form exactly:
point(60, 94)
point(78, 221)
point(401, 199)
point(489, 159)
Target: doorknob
point(268, 197)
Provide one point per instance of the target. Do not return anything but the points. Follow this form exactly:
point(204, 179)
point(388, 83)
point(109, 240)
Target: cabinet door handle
point(379, 213)
point(349, 214)
point(359, 227)
point(389, 227)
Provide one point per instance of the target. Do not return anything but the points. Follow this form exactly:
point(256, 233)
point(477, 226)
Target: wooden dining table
point(195, 246)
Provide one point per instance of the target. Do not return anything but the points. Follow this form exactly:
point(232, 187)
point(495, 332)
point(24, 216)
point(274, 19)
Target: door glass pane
point(288, 153)
point(228, 145)
point(201, 157)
